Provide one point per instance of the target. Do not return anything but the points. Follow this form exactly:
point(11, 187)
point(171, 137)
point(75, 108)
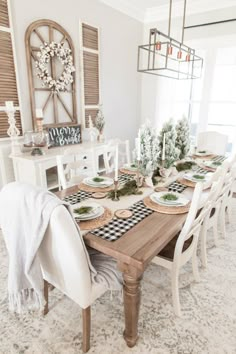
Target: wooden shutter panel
point(8, 88)
point(8, 84)
point(4, 19)
point(91, 79)
point(90, 37)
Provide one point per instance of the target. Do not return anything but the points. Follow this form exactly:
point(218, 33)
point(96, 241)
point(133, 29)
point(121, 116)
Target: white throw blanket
point(25, 212)
point(24, 216)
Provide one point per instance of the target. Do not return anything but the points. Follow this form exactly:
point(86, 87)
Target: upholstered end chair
point(67, 266)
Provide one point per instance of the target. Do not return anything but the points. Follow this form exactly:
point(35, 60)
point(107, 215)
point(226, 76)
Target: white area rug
point(208, 324)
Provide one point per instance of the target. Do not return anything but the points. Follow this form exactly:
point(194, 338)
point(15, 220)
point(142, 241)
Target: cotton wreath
point(47, 52)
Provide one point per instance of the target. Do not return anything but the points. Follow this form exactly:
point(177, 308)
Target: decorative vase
point(100, 137)
point(165, 172)
point(148, 181)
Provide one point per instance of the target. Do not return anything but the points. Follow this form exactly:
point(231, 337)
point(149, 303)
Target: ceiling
point(152, 10)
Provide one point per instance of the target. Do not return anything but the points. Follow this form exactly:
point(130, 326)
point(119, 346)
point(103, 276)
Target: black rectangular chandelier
point(168, 57)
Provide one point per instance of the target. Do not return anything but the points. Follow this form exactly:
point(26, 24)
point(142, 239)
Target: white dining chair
point(66, 265)
point(225, 203)
point(109, 154)
point(211, 220)
point(212, 141)
point(184, 246)
point(123, 149)
point(72, 168)
point(227, 199)
point(123, 154)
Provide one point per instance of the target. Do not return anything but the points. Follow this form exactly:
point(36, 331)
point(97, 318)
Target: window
point(90, 72)
point(222, 103)
point(8, 83)
point(211, 101)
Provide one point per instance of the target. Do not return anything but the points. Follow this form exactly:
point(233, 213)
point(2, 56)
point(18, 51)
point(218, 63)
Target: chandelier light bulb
point(170, 50)
point(179, 54)
point(158, 45)
point(188, 57)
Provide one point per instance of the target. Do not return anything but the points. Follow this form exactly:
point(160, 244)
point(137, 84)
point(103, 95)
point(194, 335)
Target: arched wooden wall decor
point(59, 108)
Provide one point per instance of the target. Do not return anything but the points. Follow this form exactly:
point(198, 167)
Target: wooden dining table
point(133, 252)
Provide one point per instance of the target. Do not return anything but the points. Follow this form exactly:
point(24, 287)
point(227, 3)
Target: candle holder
point(116, 198)
point(13, 132)
point(138, 176)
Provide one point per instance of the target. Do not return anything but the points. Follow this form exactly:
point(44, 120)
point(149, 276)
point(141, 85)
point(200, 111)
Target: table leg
point(132, 296)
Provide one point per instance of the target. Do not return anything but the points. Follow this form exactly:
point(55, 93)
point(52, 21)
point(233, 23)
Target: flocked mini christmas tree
point(171, 151)
point(149, 149)
point(183, 137)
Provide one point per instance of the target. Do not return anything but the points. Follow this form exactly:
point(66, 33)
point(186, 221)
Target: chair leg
point(86, 315)
point(203, 237)
point(195, 267)
point(45, 311)
point(223, 221)
point(230, 211)
point(215, 233)
point(175, 291)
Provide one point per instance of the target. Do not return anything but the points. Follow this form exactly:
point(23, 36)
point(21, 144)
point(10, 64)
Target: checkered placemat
point(117, 227)
point(123, 178)
point(77, 197)
point(219, 158)
point(176, 187)
point(202, 171)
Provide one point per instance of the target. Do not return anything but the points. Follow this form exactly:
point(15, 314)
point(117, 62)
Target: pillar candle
point(138, 145)
point(39, 113)
point(9, 105)
point(116, 163)
point(90, 122)
point(163, 147)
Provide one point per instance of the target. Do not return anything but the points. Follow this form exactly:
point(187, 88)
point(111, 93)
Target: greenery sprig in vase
point(99, 123)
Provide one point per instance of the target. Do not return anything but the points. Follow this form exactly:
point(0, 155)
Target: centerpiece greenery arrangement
point(185, 166)
point(129, 188)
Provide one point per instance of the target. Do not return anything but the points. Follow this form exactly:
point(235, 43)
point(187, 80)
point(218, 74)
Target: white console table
point(33, 169)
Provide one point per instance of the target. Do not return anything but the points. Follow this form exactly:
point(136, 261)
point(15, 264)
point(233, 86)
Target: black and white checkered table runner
point(215, 159)
point(123, 178)
point(176, 187)
point(77, 197)
point(219, 158)
point(117, 227)
point(82, 195)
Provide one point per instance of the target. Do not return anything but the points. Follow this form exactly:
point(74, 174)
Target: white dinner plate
point(211, 164)
point(205, 153)
point(189, 177)
point(157, 198)
point(107, 182)
point(129, 167)
point(97, 210)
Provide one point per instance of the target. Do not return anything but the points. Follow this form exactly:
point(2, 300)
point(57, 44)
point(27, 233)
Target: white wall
point(155, 101)
point(120, 36)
